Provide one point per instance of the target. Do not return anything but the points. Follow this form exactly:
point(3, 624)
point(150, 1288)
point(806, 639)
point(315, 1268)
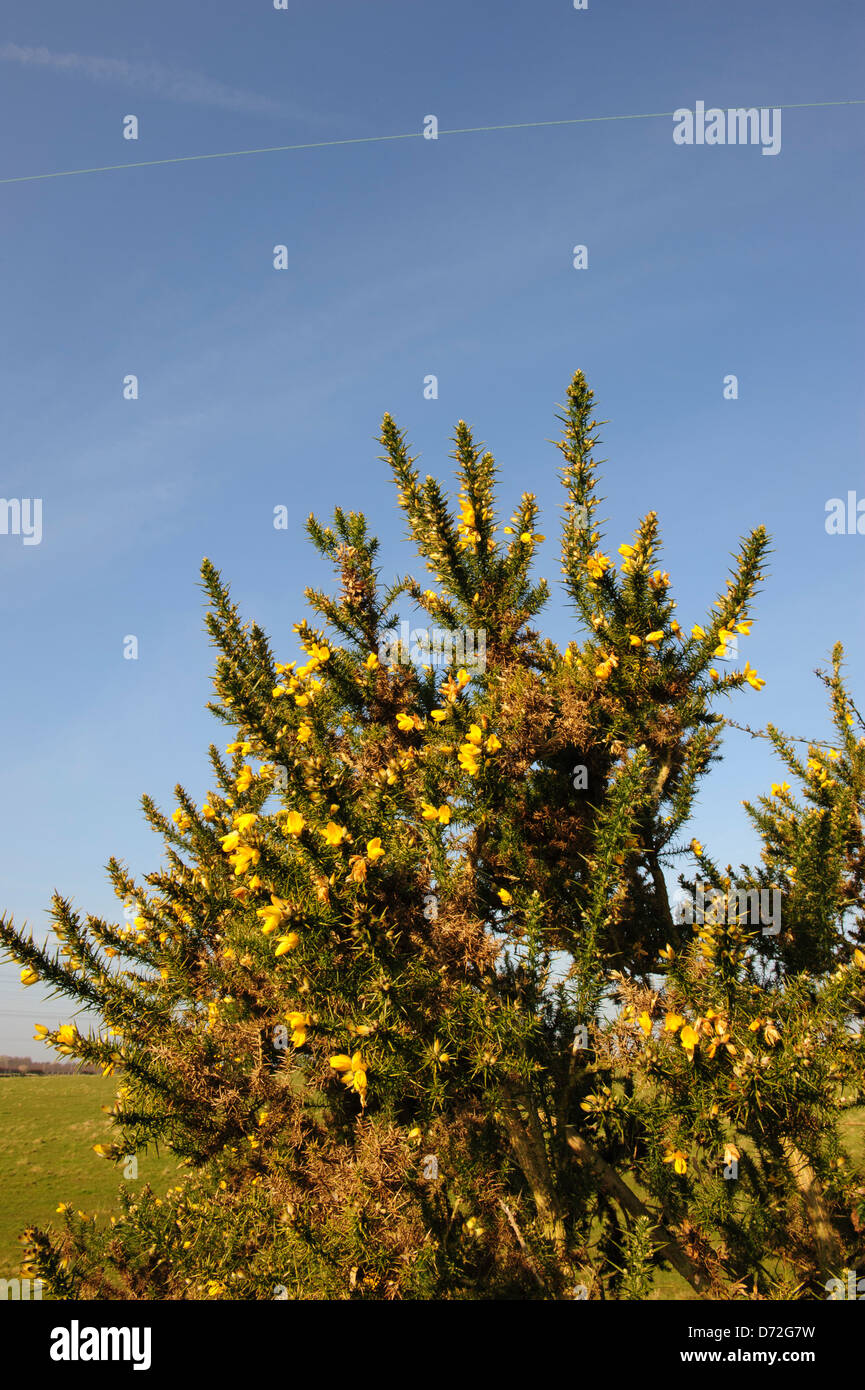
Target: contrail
point(405, 135)
point(173, 84)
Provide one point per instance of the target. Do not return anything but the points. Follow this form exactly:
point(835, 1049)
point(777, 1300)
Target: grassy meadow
point(48, 1126)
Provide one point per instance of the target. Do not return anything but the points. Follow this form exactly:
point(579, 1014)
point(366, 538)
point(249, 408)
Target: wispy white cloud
point(173, 84)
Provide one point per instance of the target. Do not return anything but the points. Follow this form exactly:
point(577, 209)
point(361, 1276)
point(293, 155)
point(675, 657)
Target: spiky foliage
point(393, 994)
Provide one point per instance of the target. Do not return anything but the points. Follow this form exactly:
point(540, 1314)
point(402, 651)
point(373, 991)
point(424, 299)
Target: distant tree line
point(24, 1066)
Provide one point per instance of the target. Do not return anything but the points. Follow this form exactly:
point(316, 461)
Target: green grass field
point(48, 1125)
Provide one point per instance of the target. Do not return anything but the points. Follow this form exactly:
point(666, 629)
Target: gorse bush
point(411, 994)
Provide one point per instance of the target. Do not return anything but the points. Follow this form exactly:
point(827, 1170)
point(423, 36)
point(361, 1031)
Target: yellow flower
point(696, 847)
point(333, 833)
point(859, 958)
point(697, 631)
point(40, 1033)
point(672, 1023)
point(597, 565)
point(304, 732)
point(690, 1039)
point(635, 641)
point(731, 1153)
point(243, 859)
point(626, 550)
point(462, 676)
point(744, 627)
point(286, 943)
point(404, 722)
point(208, 812)
point(28, 975)
point(752, 678)
point(438, 715)
point(494, 743)
point(373, 849)
point(468, 758)
point(371, 662)
point(244, 780)
point(274, 915)
point(244, 822)
point(606, 667)
point(228, 842)
point(505, 896)
point(67, 1033)
point(678, 1160)
point(293, 823)
point(655, 637)
point(181, 819)
point(779, 787)
point(103, 1150)
point(645, 1022)
point(354, 1070)
point(299, 1024)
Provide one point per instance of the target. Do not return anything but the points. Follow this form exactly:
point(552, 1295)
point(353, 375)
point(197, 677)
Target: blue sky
point(408, 257)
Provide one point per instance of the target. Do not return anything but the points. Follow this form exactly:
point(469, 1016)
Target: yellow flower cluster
point(407, 722)
point(274, 914)
point(353, 1072)
point(241, 855)
point(725, 636)
point(299, 1023)
point(605, 668)
point(469, 536)
point(472, 748)
point(755, 681)
point(597, 565)
point(712, 1030)
point(820, 774)
point(303, 682)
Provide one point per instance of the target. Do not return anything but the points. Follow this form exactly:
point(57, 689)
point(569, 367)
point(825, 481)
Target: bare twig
point(525, 1249)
